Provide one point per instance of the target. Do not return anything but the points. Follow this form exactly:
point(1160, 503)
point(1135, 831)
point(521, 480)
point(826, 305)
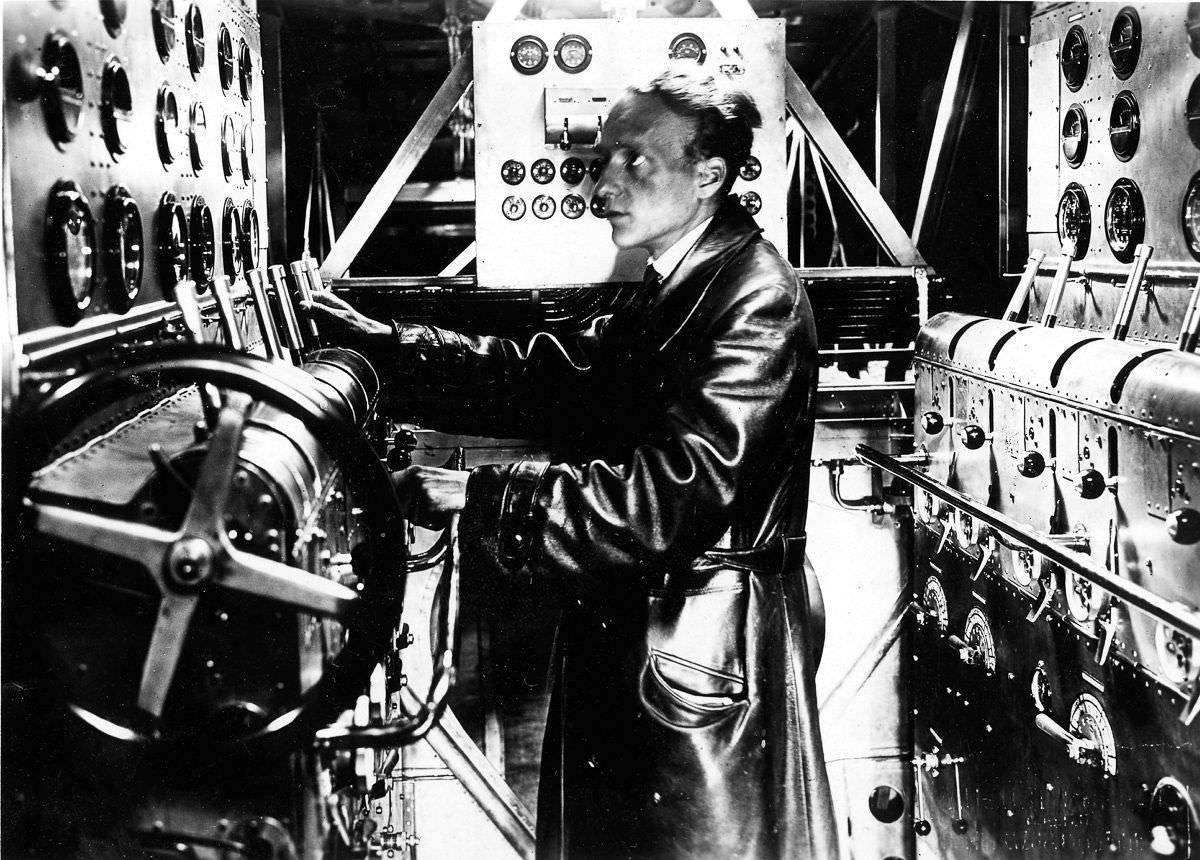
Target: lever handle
point(1081, 750)
point(1059, 285)
point(1189, 332)
point(309, 329)
point(193, 323)
point(266, 317)
point(220, 291)
point(1021, 293)
point(277, 278)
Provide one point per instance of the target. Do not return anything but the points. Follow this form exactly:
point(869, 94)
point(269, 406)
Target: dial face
point(202, 243)
point(1178, 656)
point(573, 171)
point(245, 71)
point(1090, 722)
point(194, 36)
point(116, 106)
point(1084, 600)
point(751, 202)
point(968, 529)
point(172, 241)
point(113, 12)
point(1026, 567)
point(1125, 42)
point(542, 171)
point(1075, 218)
point(250, 236)
point(573, 54)
point(596, 168)
point(162, 21)
point(197, 133)
point(513, 208)
point(248, 153)
point(573, 206)
point(1124, 219)
point(70, 247)
point(225, 57)
point(688, 46)
point(933, 596)
point(1074, 135)
point(231, 238)
point(1073, 58)
point(1192, 111)
point(1191, 216)
point(529, 55)
point(123, 254)
point(64, 99)
point(512, 172)
point(751, 170)
point(599, 206)
point(978, 635)
point(1124, 126)
point(543, 206)
point(167, 124)
point(229, 146)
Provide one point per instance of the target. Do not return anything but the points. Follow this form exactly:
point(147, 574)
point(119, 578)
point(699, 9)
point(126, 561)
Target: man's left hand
point(428, 495)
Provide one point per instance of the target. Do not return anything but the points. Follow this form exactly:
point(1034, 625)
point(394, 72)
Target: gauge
point(596, 168)
point(193, 31)
point(599, 206)
point(969, 530)
point(166, 124)
point(202, 243)
point(63, 99)
point(1178, 657)
point(1125, 42)
point(1089, 722)
point(70, 246)
point(1124, 126)
point(248, 153)
point(1191, 216)
point(1124, 219)
point(123, 255)
point(933, 598)
point(231, 238)
point(116, 106)
point(1192, 112)
point(113, 13)
point(980, 644)
point(229, 146)
point(225, 57)
point(1193, 27)
point(512, 172)
point(573, 54)
point(1074, 58)
point(1075, 218)
point(751, 169)
point(923, 506)
point(162, 21)
point(172, 240)
point(542, 171)
point(197, 132)
point(245, 71)
point(529, 55)
point(1172, 820)
point(1074, 135)
point(1039, 688)
point(250, 236)
point(573, 171)
point(751, 202)
point(1026, 567)
point(687, 46)
point(513, 208)
point(1084, 600)
point(573, 206)
point(543, 206)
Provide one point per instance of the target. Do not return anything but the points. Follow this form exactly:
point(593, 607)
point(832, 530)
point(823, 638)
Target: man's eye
point(636, 161)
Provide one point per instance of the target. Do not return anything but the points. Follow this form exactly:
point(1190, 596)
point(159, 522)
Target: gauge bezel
point(231, 238)
point(162, 22)
point(548, 207)
point(587, 53)
point(113, 13)
point(1127, 150)
point(518, 211)
point(573, 206)
point(543, 171)
point(251, 236)
point(572, 170)
point(1128, 63)
point(674, 48)
point(751, 169)
point(529, 39)
point(224, 57)
point(245, 73)
point(1138, 233)
point(202, 244)
point(751, 201)
point(1074, 73)
point(167, 127)
point(1077, 191)
point(174, 257)
point(193, 28)
point(247, 152)
point(197, 131)
point(230, 148)
point(116, 106)
point(1192, 193)
point(512, 172)
point(67, 201)
point(1075, 111)
point(63, 94)
point(122, 275)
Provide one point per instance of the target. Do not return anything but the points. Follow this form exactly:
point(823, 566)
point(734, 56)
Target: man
point(683, 719)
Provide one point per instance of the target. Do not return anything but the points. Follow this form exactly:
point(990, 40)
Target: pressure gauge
point(162, 22)
point(197, 133)
point(1191, 216)
point(1192, 112)
point(172, 240)
point(250, 236)
point(116, 106)
point(123, 249)
point(573, 206)
point(248, 153)
point(751, 202)
point(543, 206)
point(596, 168)
point(202, 243)
point(113, 13)
point(512, 172)
point(542, 171)
point(688, 46)
point(229, 147)
point(245, 71)
point(1124, 126)
point(933, 598)
point(751, 169)
point(1074, 135)
point(599, 206)
point(1178, 656)
point(62, 102)
point(572, 171)
point(528, 55)
point(167, 124)
point(231, 238)
point(573, 54)
point(193, 28)
point(70, 247)
point(513, 208)
point(1074, 58)
point(1124, 219)
point(1075, 218)
point(225, 57)
point(1125, 42)
point(977, 633)
point(1089, 722)
point(1084, 600)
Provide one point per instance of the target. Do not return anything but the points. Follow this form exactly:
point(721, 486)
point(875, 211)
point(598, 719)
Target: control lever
point(220, 291)
point(1189, 332)
point(303, 289)
point(1137, 276)
point(970, 655)
point(277, 278)
point(1106, 626)
point(1059, 285)
point(266, 317)
point(1049, 584)
point(985, 557)
point(1021, 293)
point(193, 323)
point(1083, 751)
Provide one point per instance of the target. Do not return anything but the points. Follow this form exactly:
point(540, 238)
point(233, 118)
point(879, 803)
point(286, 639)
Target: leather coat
point(683, 720)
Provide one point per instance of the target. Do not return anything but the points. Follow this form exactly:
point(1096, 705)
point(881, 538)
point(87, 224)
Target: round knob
point(933, 423)
point(1032, 464)
point(960, 825)
point(1162, 841)
point(403, 444)
point(972, 436)
point(1091, 484)
point(1183, 525)
point(923, 827)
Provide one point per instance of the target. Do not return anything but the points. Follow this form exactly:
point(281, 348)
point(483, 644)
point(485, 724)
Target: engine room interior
point(230, 629)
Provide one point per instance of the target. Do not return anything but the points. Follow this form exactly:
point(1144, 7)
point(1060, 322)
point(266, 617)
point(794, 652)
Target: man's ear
point(710, 176)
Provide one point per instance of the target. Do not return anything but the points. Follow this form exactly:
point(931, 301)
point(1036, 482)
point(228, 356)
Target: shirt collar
point(670, 258)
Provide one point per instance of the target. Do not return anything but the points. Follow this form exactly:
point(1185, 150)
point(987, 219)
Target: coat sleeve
point(584, 529)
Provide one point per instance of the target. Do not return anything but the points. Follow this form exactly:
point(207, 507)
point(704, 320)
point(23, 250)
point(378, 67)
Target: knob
point(933, 423)
point(972, 436)
point(564, 139)
point(960, 825)
point(922, 827)
point(1162, 841)
point(1032, 464)
point(1183, 525)
point(403, 443)
point(1091, 484)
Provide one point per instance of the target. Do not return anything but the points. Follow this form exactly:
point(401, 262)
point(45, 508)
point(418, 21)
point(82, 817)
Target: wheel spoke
point(216, 472)
point(170, 632)
point(143, 544)
point(261, 577)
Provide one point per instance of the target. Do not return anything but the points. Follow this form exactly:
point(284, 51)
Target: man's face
point(654, 194)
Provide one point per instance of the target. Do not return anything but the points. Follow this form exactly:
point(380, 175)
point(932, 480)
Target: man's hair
point(725, 117)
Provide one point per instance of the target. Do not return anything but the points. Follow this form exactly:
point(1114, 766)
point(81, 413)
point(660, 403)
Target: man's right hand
point(342, 323)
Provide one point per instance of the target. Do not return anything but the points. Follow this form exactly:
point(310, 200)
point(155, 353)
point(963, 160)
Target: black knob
point(960, 825)
point(1032, 464)
point(923, 827)
point(972, 436)
point(933, 423)
point(1183, 525)
point(403, 443)
point(1091, 484)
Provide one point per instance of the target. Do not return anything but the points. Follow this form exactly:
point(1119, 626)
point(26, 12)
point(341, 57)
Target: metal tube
point(266, 318)
point(1021, 293)
point(1137, 275)
point(1059, 285)
point(277, 278)
point(220, 291)
point(308, 326)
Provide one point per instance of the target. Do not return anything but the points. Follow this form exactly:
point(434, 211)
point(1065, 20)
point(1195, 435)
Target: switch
point(972, 436)
point(933, 423)
point(1032, 464)
point(1090, 484)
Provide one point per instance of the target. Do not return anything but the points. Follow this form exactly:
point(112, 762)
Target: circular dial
point(1191, 216)
point(229, 146)
point(933, 598)
point(166, 124)
point(1039, 688)
point(969, 530)
point(193, 28)
point(751, 169)
point(245, 71)
point(70, 246)
point(113, 12)
point(542, 171)
point(224, 57)
point(924, 506)
point(197, 132)
point(573, 171)
point(1074, 135)
point(232, 239)
point(1193, 27)
point(1084, 600)
point(1075, 218)
point(1192, 112)
point(116, 106)
point(63, 99)
point(573, 206)
point(687, 46)
point(1074, 58)
point(162, 22)
point(248, 153)
point(543, 206)
point(1173, 824)
point(202, 243)
point(1088, 721)
point(529, 55)
point(1027, 566)
point(513, 208)
point(172, 240)
point(596, 168)
point(1178, 656)
point(599, 206)
point(1124, 126)
point(1125, 42)
point(1124, 219)
point(573, 54)
point(978, 635)
point(751, 202)
point(250, 236)
point(512, 172)
point(123, 253)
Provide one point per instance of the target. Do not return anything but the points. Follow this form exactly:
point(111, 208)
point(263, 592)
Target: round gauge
point(245, 71)
point(1026, 567)
point(116, 106)
point(512, 172)
point(542, 171)
point(1193, 27)
point(62, 101)
point(224, 57)
point(529, 55)
point(197, 132)
point(1192, 112)
point(1039, 688)
point(978, 635)
point(1125, 42)
point(923, 506)
point(251, 238)
point(933, 598)
point(543, 206)
point(573, 54)
point(1074, 58)
point(599, 206)
point(172, 240)
point(166, 124)
point(248, 153)
point(1124, 219)
point(1074, 135)
point(193, 32)
point(70, 247)
point(162, 21)
point(751, 202)
point(1075, 218)
point(751, 169)
point(1173, 822)
point(687, 46)
point(1191, 216)
point(232, 239)
point(202, 243)
point(1089, 722)
point(1084, 600)
point(596, 168)
point(1178, 657)
point(229, 146)
point(113, 12)
point(573, 171)
point(573, 206)
point(123, 253)
point(513, 208)
point(969, 530)
point(1124, 126)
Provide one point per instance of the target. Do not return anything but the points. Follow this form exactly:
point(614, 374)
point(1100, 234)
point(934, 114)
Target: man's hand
point(428, 495)
point(341, 322)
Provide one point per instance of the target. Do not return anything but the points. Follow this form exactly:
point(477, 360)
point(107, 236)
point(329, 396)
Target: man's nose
point(606, 187)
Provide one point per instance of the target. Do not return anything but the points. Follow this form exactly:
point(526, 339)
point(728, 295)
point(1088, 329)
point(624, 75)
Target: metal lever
point(303, 289)
point(193, 323)
point(1021, 293)
point(1189, 332)
point(1080, 750)
point(266, 317)
point(220, 291)
point(1137, 276)
point(1059, 285)
point(970, 655)
point(1106, 626)
point(277, 278)
point(564, 139)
